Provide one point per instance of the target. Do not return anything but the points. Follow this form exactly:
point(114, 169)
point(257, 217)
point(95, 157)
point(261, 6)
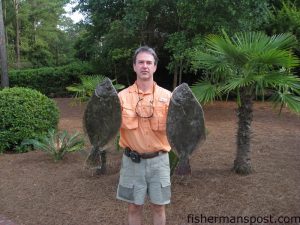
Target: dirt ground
point(35, 190)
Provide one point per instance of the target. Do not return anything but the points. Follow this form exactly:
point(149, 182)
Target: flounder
point(185, 126)
point(102, 121)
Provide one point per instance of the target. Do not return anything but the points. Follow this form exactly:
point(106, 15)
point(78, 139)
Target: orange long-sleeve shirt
point(138, 132)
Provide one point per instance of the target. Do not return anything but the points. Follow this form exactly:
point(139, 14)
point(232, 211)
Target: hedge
point(51, 81)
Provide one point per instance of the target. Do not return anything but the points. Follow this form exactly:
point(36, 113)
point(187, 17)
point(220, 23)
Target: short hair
point(145, 49)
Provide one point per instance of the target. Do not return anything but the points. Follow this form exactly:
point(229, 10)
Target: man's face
point(144, 66)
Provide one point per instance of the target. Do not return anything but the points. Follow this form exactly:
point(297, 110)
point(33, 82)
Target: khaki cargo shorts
point(149, 177)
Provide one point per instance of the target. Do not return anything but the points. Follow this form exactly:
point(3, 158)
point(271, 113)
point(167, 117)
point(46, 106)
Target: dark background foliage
point(112, 30)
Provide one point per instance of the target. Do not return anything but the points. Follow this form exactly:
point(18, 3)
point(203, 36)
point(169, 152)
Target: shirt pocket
point(159, 120)
point(129, 118)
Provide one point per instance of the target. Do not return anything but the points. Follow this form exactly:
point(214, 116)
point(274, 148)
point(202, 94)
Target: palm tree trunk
point(242, 162)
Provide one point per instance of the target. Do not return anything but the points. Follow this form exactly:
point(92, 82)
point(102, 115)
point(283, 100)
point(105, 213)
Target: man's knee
point(134, 209)
point(158, 209)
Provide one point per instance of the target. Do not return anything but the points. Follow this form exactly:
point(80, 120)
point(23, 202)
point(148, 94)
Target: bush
point(24, 114)
point(51, 81)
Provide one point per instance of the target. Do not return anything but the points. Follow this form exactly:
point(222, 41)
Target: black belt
point(136, 157)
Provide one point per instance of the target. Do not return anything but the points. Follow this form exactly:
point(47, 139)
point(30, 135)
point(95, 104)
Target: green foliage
point(57, 143)
point(24, 113)
point(173, 158)
point(204, 17)
point(249, 59)
point(248, 64)
point(286, 18)
point(168, 26)
point(51, 81)
point(86, 88)
point(44, 39)
point(117, 140)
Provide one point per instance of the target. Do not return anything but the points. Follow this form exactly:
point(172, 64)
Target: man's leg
point(159, 214)
point(135, 213)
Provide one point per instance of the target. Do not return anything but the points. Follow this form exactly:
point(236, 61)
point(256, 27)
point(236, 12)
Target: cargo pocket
point(125, 191)
point(165, 190)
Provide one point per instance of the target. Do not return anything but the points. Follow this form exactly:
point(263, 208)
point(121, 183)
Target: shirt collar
point(134, 88)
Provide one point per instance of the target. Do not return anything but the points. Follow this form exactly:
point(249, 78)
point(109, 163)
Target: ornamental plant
point(86, 88)
point(57, 143)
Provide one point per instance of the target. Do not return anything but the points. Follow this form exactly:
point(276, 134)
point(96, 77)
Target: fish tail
point(183, 167)
point(97, 160)
point(93, 159)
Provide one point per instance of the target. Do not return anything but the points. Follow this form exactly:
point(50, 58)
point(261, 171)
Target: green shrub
point(24, 114)
point(51, 81)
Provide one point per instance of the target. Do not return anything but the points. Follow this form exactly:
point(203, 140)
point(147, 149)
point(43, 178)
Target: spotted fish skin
point(102, 119)
point(185, 125)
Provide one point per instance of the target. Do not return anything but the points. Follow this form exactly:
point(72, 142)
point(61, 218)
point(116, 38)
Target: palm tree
point(248, 64)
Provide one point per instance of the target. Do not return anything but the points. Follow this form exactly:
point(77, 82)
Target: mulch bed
point(35, 190)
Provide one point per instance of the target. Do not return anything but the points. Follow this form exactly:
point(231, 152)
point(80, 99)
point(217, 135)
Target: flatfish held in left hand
point(185, 126)
point(102, 121)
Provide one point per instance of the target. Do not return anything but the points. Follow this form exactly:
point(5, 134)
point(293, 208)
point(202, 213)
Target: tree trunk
point(116, 76)
point(242, 162)
point(4, 19)
point(175, 78)
point(180, 71)
point(3, 55)
point(17, 44)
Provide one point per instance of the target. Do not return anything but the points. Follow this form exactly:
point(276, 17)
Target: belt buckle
point(134, 156)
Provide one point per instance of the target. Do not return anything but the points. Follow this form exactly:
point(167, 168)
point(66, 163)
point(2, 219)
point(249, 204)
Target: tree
point(3, 55)
point(248, 64)
point(285, 18)
point(177, 44)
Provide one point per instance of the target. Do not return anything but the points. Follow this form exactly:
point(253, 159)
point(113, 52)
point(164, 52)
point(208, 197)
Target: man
point(145, 164)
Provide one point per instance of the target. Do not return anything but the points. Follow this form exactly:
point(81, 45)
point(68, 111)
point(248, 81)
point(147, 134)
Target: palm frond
point(225, 47)
point(260, 42)
point(279, 79)
point(205, 91)
point(275, 57)
point(287, 99)
point(236, 83)
point(86, 88)
point(284, 41)
point(204, 60)
point(250, 41)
